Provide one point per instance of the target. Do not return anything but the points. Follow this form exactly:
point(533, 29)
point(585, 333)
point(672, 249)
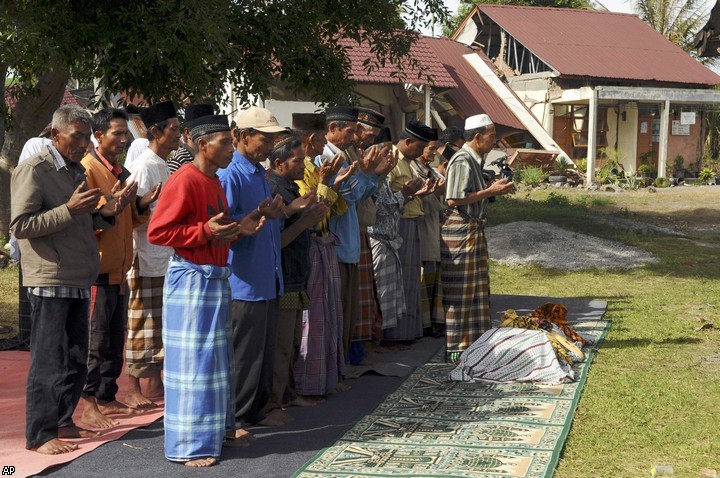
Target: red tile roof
point(472, 95)
point(68, 99)
point(359, 53)
point(599, 44)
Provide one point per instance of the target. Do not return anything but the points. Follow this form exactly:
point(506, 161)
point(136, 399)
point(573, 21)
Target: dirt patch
point(528, 242)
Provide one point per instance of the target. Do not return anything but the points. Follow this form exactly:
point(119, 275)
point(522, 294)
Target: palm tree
point(676, 20)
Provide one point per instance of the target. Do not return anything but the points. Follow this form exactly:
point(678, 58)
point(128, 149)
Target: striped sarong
point(388, 277)
point(198, 366)
point(369, 323)
point(511, 355)
point(431, 294)
point(321, 360)
point(465, 280)
point(409, 327)
point(144, 346)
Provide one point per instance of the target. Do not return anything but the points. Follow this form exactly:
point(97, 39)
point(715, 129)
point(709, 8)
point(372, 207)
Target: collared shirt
point(255, 261)
point(116, 169)
point(295, 255)
point(353, 190)
point(464, 176)
point(397, 178)
point(148, 170)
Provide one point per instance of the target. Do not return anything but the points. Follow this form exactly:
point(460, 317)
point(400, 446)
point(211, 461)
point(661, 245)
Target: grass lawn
point(653, 393)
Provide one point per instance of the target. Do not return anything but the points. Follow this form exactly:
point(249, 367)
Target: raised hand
point(389, 160)
point(151, 196)
point(271, 209)
point(330, 168)
point(370, 161)
point(316, 212)
point(121, 197)
point(344, 175)
point(501, 187)
point(83, 200)
point(428, 187)
point(411, 187)
point(223, 229)
point(249, 225)
point(301, 203)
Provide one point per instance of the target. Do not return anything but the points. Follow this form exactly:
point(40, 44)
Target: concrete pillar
point(663, 147)
point(592, 140)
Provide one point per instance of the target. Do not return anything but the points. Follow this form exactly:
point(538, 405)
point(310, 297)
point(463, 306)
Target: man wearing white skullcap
point(465, 278)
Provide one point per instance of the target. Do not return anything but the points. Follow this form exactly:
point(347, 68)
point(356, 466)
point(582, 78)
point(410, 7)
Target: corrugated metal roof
point(472, 95)
point(599, 44)
point(358, 53)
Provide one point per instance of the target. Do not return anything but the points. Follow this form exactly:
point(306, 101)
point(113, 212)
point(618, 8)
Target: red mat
point(13, 370)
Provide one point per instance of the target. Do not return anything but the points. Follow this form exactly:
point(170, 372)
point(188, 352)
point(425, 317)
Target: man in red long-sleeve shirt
point(191, 218)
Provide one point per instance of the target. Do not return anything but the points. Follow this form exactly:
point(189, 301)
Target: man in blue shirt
point(341, 125)
point(257, 279)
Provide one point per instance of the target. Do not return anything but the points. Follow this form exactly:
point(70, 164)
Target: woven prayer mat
point(432, 427)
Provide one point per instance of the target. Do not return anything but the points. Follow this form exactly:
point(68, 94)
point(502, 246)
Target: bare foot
point(306, 401)
point(155, 388)
point(138, 400)
point(275, 418)
point(93, 417)
point(341, 387)
point(202, 462)
point(117, 408)
point(55, 447)
point(76, 432)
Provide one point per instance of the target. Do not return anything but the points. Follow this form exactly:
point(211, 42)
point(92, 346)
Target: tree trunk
point(31, 113)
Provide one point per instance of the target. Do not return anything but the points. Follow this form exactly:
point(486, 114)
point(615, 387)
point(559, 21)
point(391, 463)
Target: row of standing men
point(251, 289)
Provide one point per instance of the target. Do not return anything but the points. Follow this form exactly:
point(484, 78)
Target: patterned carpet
point(432, 427)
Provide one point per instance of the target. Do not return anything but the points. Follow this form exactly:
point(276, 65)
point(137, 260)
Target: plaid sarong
point(369, 324)
point(409, 327)
point(199, 365)
point(321, 360)
point(465, 280)
point(388, 277)
point(144, 331)
point(431, 294)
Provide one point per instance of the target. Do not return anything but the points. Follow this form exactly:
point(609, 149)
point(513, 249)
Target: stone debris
point(527, 242)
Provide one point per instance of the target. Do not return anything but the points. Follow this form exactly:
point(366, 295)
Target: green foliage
point(466, 7)
point(677, 20)
point(170, 49)
point(605, 174)
point(706, 176)
point(562, 164)
point(661, 182)
point(647, 169)
point(678, 162)
point(581, 164)
point(530, 175)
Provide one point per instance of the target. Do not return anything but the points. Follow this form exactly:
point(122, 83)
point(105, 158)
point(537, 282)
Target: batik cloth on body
point(321, 360)
point(466, 281)
point(369, 324)
point(198, 367)
point(144, 351)
point(410, 327)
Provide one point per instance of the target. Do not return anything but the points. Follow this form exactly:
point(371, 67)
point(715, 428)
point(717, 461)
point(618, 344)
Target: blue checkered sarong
point(198, 360)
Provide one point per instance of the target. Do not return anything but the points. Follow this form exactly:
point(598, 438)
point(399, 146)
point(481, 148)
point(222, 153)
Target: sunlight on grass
point(651, 395)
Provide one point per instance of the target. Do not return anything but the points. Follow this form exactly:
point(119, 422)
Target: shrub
point(661, 182)
point(706, 176)
point(581, 164)
point(562, 164)
point(532, 175)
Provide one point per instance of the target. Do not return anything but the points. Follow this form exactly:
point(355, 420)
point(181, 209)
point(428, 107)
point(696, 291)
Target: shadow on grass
point(637, 343)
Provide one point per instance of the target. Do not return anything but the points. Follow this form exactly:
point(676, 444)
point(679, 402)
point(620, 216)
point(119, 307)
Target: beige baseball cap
point(259, 119)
